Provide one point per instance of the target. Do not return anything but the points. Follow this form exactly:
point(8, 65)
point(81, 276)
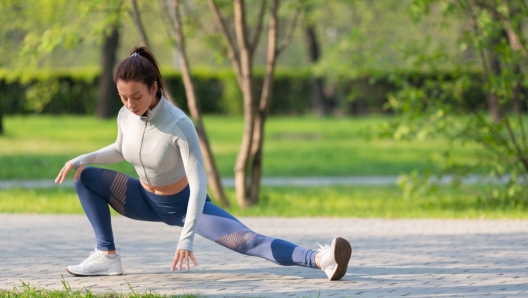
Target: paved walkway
point(391, 258)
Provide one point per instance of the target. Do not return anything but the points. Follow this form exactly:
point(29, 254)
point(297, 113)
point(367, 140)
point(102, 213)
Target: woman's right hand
point(65, 170)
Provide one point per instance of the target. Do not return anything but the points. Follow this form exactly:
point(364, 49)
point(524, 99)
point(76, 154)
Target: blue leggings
point(97, 188)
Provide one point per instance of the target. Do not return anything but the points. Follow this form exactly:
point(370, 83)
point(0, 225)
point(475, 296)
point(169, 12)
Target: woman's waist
point(168, 189)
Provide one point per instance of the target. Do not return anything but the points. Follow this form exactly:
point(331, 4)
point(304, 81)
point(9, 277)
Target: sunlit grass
point(26, 290)
point(38, 146)
point(336, 201)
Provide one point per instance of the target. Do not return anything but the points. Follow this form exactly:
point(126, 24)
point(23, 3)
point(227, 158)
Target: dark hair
point(140, 66)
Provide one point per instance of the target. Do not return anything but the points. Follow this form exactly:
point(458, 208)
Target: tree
point(192, 99)
point(49, 25)
point(136, 17)
point(28, 32)
point(139, 25)
point(321, 104)
point(106, 98)
point(106, 94)
point(178, 42)
point(433, 107)
point(241, 49)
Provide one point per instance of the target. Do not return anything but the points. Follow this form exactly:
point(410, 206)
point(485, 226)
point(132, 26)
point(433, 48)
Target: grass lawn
point(38, 146)
point(337, 201)
point(28, 291)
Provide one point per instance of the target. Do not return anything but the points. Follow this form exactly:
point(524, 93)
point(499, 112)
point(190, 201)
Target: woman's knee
point(87, 175)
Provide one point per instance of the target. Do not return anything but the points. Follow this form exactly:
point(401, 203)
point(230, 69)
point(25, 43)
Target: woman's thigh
point(123, 193)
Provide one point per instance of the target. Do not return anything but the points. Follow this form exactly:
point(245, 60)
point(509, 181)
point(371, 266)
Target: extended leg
point(221, 227)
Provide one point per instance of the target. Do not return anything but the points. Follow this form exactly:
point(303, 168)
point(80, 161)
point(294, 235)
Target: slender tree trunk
point(106, 106)
point(519, 94)
point(260, 119)
point(494, 108)
point(139, 25)
point(1, 123)
point(250, 110)
point(249, 159)
point(265, 97)
point(519, 99)
point(136, 17)
point(321, 104)
point(210, 165)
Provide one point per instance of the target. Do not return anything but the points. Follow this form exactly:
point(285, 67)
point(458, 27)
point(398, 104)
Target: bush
point(74, 91)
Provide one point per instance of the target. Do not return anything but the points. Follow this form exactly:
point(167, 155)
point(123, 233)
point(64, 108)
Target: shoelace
point(326, 246)
point(91, 256)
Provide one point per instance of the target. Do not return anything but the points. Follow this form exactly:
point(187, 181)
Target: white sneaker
point(334, 259)
point(97, 264)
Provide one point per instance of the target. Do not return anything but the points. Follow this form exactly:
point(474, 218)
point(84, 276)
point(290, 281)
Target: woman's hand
point(65, 170)
point(182, 256)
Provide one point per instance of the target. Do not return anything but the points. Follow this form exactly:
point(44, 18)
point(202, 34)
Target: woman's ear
point(154, 88)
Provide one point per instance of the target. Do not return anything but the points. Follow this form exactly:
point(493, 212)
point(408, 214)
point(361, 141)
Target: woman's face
point(137, 97)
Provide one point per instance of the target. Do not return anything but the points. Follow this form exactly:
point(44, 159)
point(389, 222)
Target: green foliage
point(35, 29)
point(74, 91)
point(55, 92)
point(431, 107)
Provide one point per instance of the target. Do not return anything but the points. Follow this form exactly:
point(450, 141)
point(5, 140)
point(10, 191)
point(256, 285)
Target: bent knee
point(87, 174)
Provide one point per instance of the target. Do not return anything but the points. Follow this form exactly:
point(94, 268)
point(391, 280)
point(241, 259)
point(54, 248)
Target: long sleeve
point(191, 155)
point(107, 155)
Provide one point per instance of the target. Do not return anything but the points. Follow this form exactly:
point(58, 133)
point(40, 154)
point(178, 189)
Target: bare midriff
point(167, 190)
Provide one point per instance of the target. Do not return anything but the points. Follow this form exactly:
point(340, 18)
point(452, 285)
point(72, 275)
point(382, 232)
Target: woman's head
point(138, 76)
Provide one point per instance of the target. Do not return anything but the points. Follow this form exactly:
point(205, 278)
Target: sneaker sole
point(95, 274)
point(342, 254)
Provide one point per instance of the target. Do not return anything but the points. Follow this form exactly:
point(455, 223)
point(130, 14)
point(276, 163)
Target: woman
point(161, 142)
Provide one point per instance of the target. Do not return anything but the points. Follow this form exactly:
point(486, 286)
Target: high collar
point(157, 111)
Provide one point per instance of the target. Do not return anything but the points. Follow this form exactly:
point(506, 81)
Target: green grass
point(28, 291)
point(38, 146)
point(337, 201)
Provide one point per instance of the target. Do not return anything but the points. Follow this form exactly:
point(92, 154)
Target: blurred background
point(425, 100)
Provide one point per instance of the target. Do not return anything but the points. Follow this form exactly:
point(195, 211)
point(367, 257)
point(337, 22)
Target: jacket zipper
point(141, 147)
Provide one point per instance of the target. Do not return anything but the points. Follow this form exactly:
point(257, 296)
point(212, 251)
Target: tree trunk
point(519, 99)
point(1, 123)
point(106, 106)
point(139, 25)
point(255, 111)
point(248, 95)
point(260, 119)
point(136, 17)
point(210, 165)
point(321, 105)
point(494, 108)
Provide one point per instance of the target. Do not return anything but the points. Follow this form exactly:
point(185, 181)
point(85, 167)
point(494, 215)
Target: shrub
point(74, 91)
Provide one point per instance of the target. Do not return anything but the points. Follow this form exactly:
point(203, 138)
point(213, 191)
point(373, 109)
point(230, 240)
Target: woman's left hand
point(182, 256)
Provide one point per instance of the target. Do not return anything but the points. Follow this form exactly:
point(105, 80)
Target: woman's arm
point(107, 155)
point(187, 140)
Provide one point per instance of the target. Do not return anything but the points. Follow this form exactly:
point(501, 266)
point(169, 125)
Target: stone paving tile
point(391, 258)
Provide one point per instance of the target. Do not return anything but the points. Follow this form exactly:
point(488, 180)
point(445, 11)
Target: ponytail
point(141, 66)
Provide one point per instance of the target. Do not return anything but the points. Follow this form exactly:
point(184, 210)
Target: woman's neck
point(155, 102)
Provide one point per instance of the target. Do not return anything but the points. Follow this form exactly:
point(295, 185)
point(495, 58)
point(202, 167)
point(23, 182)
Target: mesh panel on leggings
point(237, 239)
point(118, 187)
